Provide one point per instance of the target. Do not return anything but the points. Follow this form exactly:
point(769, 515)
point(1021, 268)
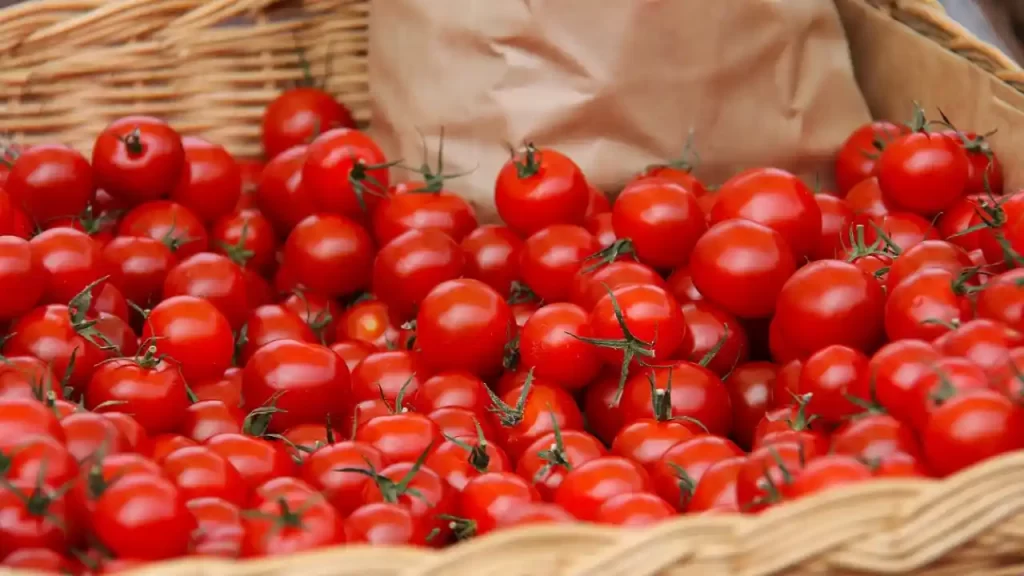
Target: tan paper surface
point(616, 85)
point(896, 66)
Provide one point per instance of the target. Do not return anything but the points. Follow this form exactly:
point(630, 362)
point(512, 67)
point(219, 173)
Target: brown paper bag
point(616, 85)
point(897, 66)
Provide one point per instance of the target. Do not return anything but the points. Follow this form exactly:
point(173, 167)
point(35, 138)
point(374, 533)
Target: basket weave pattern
point(68, 67)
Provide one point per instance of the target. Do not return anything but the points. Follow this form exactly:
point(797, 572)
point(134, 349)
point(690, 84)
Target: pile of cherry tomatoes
point(209, 356)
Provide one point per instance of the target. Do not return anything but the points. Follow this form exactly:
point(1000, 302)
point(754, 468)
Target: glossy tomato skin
point(536, 463)
point(69, 261)
point(343, 489)
point(298, 115)
point(865, 198)
point(677, 473)
point(776, 199)
point(836, 216)
point(652, 316)
point(25, 526)
point(1003, 299)
point(661, 218)
point(540, 188)
point(138, 266)
point(256, 459)
point(273, 322)
point(410, 206)
point(330, 254)
point(971, 427)
point(768, 470)
point(697, 394)
point(385, 524)
point(488, 497)
point(22, 279)
point(219, 527)
point(984, 169)
point(544, 408)
point(310, 381)
point(549, 344)
point(710, 327)
point(464, 325)
point(896, 369)
point(143, 516)
point(741, 266)
point(214, 278)
point(281, 195)
point(923, 172)
point(152, 391)
point(492, 256)
point(645, 440)
point(137, 158)
point(875, 437)
point(585, 488)
point(589, 286)
point(924, 304)
point(192, 333)
point(552, 256)
point(751, 387)
point(50, 181)
point(928, 254)
point(211, 180)
point(835, 377)
point(334, 161)
point(858, 155)
point(246, 233)
point(319, 525)
point(411, 266)
point(825, 473)
point(199, 472)
point(830, 302)
point(169, 222)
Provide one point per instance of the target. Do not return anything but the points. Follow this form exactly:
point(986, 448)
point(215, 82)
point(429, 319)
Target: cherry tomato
point(971, 427)
point(199, 472)
point(895, 370)
point(417, 206)
point(984, 342)
point(143, 516)
point(859, 154)
point(298, 115)
point(601, 227)
point(552, 256)
point(68, 260)
point(676, 474)
point(169, 222)
point(192, 333)
point(319, 312)
point(35, 516)
point(836, 216)
point(634, 509)
point(207, 418)
point(422, 491)
point(945, 379)
point(273, 322)
point(459, 460)
point(150, 389)
point(716, 335)
point(538, 188)
point(247, 237)
point(551, 456)
point(492, 257)
point(137, 159)
point(214, 278)
point(411, 266)
point(550, 345)
point(345, 173)
point(590, 485)
point(22, 278)
point(984, 170)
point(220, 529)
point(925, 304)
point(138, 266)
point(386, 524)
point(330, 254)
point(645, 440)
point(764, 477)
point(292, 523)
point(874, 438)
point(322, 470)
point(682, 390)
point(532, 513)
point(716, 491)
point(776, 199)
point(49, 181)
point(590, 286)
point(751, 387)
point(827, 472)
point(741, 266)
point(452, 389)
point(463, 325)
point(256, 459)
point(526, 412)
point(1003, 299)
point(661, 219)
point(281, 195)
point(923, 172)
point(928, 254)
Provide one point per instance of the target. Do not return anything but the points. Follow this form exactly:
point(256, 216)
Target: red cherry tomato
point(137, 159)
point(552, 256)
point(214, 278)
point(923, 172)
point(858, 155)
point(49, 181)
point(298, 115)
point(492, 257)
point(971, 427)
point(345, 173)
point(330, 255)
point(143, 516)
point(22, 278)
point(415, 206)
point(587, 487)
point(550, 345)
point(171, 223)
point(661, 219)
point(411, 266)
point(192, 333)
point(68, 260)
point(539, 188)
point(281, 195)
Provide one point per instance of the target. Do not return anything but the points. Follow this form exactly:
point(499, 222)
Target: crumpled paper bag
point(616, 85)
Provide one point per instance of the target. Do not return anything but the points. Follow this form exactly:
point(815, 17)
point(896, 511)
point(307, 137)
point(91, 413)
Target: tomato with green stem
point(1002, 299)
point(741, 266)
point(837, 380)
point(205, 419)
point(716, 491)
point(214, 278)
point(713, 329)
point(589, 485)
point(256, 459)
point(298, 115)
point(169, 222)
point(540, 187)
point(836, 216)
point(247, 237)
point(986, 343)
point(552, 256)
point(35, 516)
point(945, 379)
point(193, 334)
point(199, 472)
point(37, 458)
point(419, 205)
point(676, 474)
point(602, 227)
point(553, 344)
point(29, 377)
point(767, 471)
point(415, 487)
point(389, 375)
point(551, 456)
point(320, 313)
point(526, 412)
point(895, 369)
point(342, 489)
point(49, 181)
point(345, 173)
point(460, 459)
point(858, 156)
point(924, 172)
point(492, 257)
point(409, 267)
point(461, 422)
point(289, 524)
point(281, 195)
point(138, 266)
point(680, 390)
point(464, 325)
point(984, 169)
point(927, 303)
point(401, 436)
point(23, 280)
point(589, 286)
point(271, 323)
point(137, 159)
point(330, 254)
point(661, 219)
point(775, 199)
point(972, 426)
point(306, 382)
point(451, 389)
point(151, 390)
point(954, 224)
point(143, 516)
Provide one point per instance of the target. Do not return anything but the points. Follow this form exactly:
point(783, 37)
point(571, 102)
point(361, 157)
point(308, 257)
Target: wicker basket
point(209, 66)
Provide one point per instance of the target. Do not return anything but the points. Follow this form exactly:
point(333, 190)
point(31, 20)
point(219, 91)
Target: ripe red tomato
point(151, 390)
point(464, 325)
point(716, 335)
point(421, 491)
point(143, 516)
point(552, 256)
point(138, 266)
point(492, 257)
point(590, 485)
point(923, 172)
point(984, 342)
point(34, 517)
point(330, 255)
point(682, 390)
point(256, 459)
point(291, 523)
point(875, 437)
point(386, 524)
point(984, 170)
point(837, 380)
point(345, 173)
point(865, 198)
point(211, 180)
point(751, 387)
point(836, 216)
point(827, 472)
point(411, 266)
point(22, 278)
point(551, 456)
point(856, 159)
point(600, 226)
point(273, 322)
point(1003, 299)
point(368, 321)
point(776, 199)
point(171, 223)
point(763, 478)
point(590, 286)
point(220, 531)
point(281, 195)
point(214, 278)
point(527, 412)
point(68, 260)
point(925, 304)
point(550, 345)
point(677, 473)
point(308, 383)
point(199, 472)
point(137, 159)
point(896, 368)
point(49, 181)
point(971, 427)
point(416, 206)
point(192, 333)
point(741, 266)
point(459, 460)
point(247, 237)
point(209, 417)
point(716, 491)
point(661, 219)
point(488, 497)
point(322, 470)
point(298, 115)
point(538, 188)
point(946, 378)
point(645, 440)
